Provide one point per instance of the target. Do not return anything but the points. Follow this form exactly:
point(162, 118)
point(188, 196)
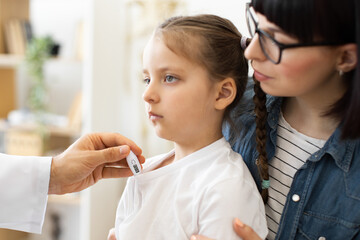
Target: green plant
point(37, 52)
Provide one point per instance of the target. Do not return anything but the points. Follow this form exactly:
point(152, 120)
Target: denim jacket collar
point(340, 150)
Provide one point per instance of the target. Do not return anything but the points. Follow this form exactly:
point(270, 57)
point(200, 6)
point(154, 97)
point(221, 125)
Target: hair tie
point(243, 42)
point(265, 184)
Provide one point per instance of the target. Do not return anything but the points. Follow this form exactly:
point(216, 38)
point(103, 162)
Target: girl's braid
point(261, 117)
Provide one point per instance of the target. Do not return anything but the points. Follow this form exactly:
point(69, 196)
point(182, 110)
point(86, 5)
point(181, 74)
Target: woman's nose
point(151, 93)
point(253, 51)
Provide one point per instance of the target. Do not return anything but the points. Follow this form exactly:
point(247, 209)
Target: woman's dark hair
point(213, 43)
point(331, 21)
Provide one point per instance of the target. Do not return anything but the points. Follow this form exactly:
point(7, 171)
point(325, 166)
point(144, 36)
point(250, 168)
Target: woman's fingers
point(244, 231)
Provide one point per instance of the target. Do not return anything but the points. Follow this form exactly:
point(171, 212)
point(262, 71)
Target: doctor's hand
point(90, 159)
point(241, 229)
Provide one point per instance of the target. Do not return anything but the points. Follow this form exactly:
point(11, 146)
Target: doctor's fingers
point(99, 141)
point(112, 156)
point(123, 162)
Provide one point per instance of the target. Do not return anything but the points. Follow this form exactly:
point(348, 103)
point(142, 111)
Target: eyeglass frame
point(280, 45)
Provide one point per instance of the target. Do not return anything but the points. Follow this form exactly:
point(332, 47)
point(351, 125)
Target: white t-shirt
point(199, 194)
point(24, 184)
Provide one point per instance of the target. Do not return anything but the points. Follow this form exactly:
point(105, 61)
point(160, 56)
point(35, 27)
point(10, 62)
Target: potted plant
point(37, 52)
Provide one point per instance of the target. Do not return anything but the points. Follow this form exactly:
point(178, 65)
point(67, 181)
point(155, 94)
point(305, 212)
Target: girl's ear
point(348, 57)
point(226, 93)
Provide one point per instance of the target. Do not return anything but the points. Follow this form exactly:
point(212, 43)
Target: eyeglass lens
point(251, 22)
point(269, 47)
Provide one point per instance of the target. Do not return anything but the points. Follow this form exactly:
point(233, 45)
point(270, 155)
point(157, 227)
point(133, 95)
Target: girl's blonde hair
point(212, 42)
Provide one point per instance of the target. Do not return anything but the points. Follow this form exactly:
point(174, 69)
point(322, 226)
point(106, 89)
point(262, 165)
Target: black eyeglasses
point(271, 48)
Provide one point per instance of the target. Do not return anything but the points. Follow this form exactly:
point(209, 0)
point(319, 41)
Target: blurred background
point(70, 67)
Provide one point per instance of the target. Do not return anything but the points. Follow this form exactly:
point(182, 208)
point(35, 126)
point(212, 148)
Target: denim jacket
point(328, 184)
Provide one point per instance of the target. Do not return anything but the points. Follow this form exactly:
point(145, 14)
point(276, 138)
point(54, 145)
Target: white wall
point(60, 20)
point(234, 10)
point(103, 95)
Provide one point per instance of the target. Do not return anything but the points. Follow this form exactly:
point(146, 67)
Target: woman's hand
point(111, 235)
point(241, 229)
point(244, 231)
point(199, 237)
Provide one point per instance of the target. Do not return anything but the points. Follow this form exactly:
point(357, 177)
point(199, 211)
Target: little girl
point(195, 73)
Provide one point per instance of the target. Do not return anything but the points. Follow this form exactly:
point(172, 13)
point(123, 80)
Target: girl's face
point(302, 72)
point(179, 95)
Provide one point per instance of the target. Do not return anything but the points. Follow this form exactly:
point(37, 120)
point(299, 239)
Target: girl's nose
point(151, 93)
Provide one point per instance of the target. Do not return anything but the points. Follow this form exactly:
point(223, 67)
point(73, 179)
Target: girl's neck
point(186, 148)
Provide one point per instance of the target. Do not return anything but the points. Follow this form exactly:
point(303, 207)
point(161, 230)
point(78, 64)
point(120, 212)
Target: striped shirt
point(292, 151)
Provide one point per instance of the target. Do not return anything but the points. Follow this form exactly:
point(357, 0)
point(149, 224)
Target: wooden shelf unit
point(9, 9)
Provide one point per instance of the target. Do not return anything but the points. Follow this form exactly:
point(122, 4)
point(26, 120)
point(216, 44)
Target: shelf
point(10, 60)
point(30, 140)
point(58, 131)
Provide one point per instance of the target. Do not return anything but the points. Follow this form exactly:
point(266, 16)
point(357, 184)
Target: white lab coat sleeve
point(24, 184)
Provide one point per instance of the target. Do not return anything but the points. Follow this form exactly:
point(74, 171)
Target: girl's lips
point(153, 116)
point(260, 77)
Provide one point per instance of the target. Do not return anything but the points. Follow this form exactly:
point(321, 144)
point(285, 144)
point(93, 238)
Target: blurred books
point(18, 33)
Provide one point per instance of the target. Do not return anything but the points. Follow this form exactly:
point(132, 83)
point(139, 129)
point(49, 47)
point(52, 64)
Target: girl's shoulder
point(152, 162)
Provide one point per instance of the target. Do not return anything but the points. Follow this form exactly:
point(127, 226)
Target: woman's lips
point(260, 77)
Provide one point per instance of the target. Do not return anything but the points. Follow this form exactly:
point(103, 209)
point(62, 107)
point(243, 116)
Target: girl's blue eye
point(170, 79)
point(147, 81)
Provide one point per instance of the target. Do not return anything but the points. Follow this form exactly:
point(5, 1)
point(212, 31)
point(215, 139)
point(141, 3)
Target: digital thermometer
point(133, 163)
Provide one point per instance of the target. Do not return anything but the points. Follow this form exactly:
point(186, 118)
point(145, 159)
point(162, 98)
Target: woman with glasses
point(302, 145)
